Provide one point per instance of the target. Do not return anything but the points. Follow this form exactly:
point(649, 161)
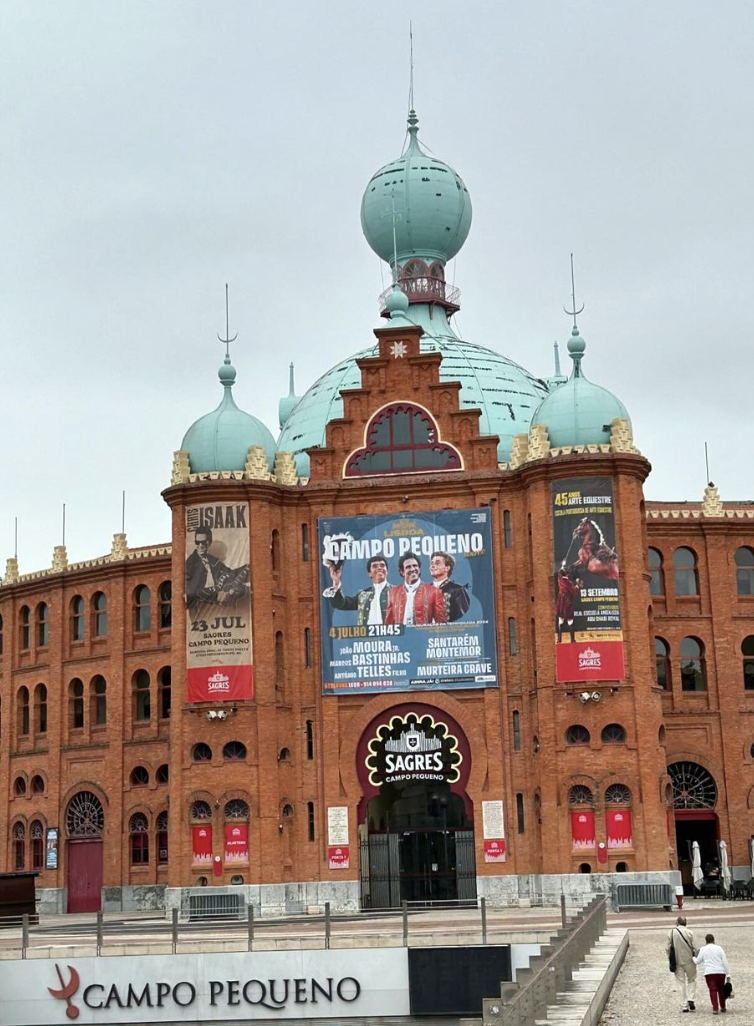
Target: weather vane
point(573, 313)
point(227, 340)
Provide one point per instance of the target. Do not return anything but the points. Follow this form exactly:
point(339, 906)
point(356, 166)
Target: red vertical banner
point(618, 823)
point(588, 629)
point(236, 842)
point(583, 834)
point(201, 842)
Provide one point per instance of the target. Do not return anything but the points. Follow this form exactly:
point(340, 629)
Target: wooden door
point(84, 875)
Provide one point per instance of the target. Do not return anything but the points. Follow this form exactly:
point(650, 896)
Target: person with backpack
point(681, 950)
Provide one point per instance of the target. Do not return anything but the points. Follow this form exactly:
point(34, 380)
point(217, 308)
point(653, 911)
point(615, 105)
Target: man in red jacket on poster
point(413, 603)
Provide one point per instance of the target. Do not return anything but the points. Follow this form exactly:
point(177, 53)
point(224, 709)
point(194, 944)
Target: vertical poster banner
point(618, 823)
point(218, 603)
point(51, 848)
point(201, 843)
point(583, 833)
point(407, 602)
point(338, 854)
point(588, 631)
point(493, 828)
point(236, 842)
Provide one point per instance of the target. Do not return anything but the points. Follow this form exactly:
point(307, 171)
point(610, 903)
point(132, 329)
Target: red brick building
point(219, 711)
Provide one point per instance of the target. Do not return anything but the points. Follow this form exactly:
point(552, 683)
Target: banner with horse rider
point(589, 636)
point(218, 603)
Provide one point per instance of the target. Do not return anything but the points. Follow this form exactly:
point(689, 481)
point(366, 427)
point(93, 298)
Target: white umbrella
point(696, 866)
point(724, 866)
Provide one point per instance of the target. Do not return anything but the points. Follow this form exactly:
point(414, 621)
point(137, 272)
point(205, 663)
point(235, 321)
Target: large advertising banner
point(589, 636)
point(218, 603)
point(407, 602)
point(236, 842)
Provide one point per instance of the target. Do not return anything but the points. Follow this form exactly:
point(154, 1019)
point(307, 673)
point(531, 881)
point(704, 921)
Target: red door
point(84, 875)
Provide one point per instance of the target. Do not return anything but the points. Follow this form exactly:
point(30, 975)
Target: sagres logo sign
point(411, 747)
point(589, 659)
point(67, 990)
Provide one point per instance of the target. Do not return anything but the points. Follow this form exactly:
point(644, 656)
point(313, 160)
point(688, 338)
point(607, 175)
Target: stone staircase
point(583, 1000)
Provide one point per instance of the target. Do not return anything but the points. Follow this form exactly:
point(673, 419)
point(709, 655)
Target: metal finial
point(573, 313)
point(227, 340)
point(411, 65)
point(291, 385)
point(557, 359)
point(395, 242)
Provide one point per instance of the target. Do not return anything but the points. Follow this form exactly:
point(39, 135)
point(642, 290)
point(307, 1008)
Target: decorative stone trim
point(519, 451)
point(285, 469)
point(712, 504)
point(181, 468)
point(622, 436)
point(59, 559)
point(539, 443)
point(256, 464)
point(11, 571)
point(119, 548)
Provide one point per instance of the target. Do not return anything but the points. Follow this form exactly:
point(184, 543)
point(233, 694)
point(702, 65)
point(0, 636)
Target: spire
point(291, 387)
point(227, 373)
point(558, 378)
point(557, 359)
point(287, 404)
point(576, 344)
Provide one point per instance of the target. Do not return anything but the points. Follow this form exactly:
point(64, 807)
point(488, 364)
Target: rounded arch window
point(580, 794)
point(139, 776)
point(24, 618)
point(162, 775)
point(661, 735)
point(234, 751)
point(19, 846)
point(142, 608)
point(85, 816)
point(287, 811)
point(662, 663)
point(585, 867)
point(98, 695)
point(621, 867)
point(236, 808)
point(142, 698)
point(693, 670)
point(22, 707)
point(684, 571)
point(747, 653)
point(656, 577)
point(744, 570)
point(43, 625)
point(202, 752)
point(77, 618)
point(36, 835)
point(402, 438)
point(577, 735)
point(161, 836)
point(37, 784)
point(138, 828)
point(76, 692)
point(693, 786)
point(284, 755)
point(236, 880)
point(613, 734)
point(200, 810)
point(618, 794)
point(166, 604)
point(99, 606)
point(19, 787)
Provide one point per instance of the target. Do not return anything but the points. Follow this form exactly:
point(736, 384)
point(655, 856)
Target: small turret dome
point(221, 439)
point(432, 206)
point(578, 412)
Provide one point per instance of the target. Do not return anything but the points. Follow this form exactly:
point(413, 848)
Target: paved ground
point(644, 994)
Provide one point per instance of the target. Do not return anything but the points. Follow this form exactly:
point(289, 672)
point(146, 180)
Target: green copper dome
point(220, 440)
point(432, 206)
point(578, 412)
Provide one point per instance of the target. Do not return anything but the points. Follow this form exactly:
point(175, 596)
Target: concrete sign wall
point(209, 987)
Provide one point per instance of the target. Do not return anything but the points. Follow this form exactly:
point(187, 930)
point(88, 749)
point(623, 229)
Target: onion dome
point(579, 412)
point(220, 440)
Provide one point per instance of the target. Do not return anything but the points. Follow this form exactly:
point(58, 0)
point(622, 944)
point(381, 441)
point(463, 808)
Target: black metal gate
point(390, 872)
point(465, 865)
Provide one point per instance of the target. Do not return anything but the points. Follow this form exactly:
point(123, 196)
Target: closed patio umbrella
point(725, 873)
point(751, 852)
point(697, 875)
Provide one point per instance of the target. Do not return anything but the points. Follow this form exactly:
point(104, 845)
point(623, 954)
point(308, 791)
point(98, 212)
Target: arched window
point(693, 786)
point(310, 820)
point(584, 867)
point(747, 651)
point(693, 676)
point(142, 608)
point(661, 735)
point(279, 657)
point(201, 811)
point(580, 794)
point(162, 776)
point(275, 551)
point(19, 787)
point(684, 572)
point(98, 695)
point(520, 819)
point(161, 837)
point(43, 625)
point(656, 576)
point(516, 731)
point(662, 664)
point(577, 735)
point(512, 643)
point(402, 439)
point(99, 608)
point(236, 808)
point(287, 812)
point(621, 867)
point(76, 699)
point(164, 692)
point(305, 543)
point(613, 734)
point(77, 618)
point(37, 784)
point(139, 776)
point(24, 619)
point(166, 604)
point(19, 847)
point(85, 816)
point(310, 739)
point(36, 835)
point(745, 571)
point(142, 701)
point(284, 755)
point(307, 647)
point(22, 709)
point(202, 752)
point(40, 709)
point(234, 751)
point(507, 529)
point(618, 794)
point(138, 829)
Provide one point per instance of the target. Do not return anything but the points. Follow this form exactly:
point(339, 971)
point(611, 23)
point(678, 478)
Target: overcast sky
point(152, 151)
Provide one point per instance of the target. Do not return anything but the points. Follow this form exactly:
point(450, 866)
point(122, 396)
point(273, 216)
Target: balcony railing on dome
point(425, 289)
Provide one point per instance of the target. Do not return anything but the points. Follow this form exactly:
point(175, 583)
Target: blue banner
point(407, 602)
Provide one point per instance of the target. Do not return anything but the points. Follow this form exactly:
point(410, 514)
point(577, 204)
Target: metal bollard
point(99, 934)
point(250, 925)
point(404, 912)
point(24, 934)
point(483, 907)
point(563, 909)
point(174, 930)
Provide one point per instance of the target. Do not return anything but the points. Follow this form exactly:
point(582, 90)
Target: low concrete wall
point(52, 901)
point(501, 891)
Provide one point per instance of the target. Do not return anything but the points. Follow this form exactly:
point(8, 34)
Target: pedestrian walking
point(716, 972)
point(681, 949)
